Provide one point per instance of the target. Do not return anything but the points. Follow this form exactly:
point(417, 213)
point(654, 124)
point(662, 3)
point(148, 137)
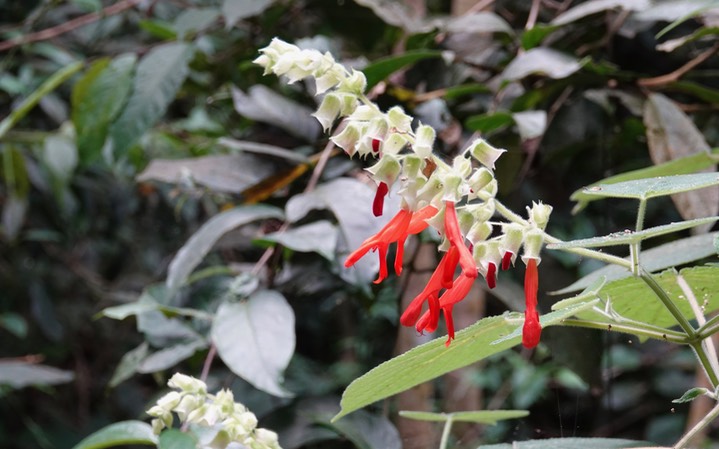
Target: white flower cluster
point(405, 154)
point(231, 423)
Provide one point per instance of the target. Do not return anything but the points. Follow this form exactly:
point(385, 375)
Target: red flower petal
point(378, 203)
point(532, 328)
point(491, 275)
point(451, 228)
point(507, 260)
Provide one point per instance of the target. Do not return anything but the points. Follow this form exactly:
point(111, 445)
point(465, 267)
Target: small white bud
point(424, 141)
point(187, 384)
point(348, 138)
point(485, 153)
point(386, 169)
point(328, 111)
point(399, 120)
point(539, 214)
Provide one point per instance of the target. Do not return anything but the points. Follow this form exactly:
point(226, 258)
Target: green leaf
point(589, 293)
point(465, 89)
point(628, 237)
point(192, 20)
point(20, 374)
point(236, 10)
point(653, 187)
point(365, 430)
point(478, 22)
point(671, 134)
point(482, 417)
point(158, 28)
point(492, 121)
point(433, 359)
point(690, 395)
point(382, 68)
point(14, 323)
point(118, 434)
point(542, 61)
point(676, 253)
point(170, 356)
point(570, 443)
point(128, 364)
point(176, 439)
point(256, 339)
point(97, 99)
point(533, 37)
point(159, 76)
point(60, 157)
point(319, 237)
point(202, 241)
point(685, 165)
point(632, 298)
point(673, 44)
point(594, 6)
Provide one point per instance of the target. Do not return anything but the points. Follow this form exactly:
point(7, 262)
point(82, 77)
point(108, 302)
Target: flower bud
point(225, 400)
point(364, 113)
point(355, 83)
point(328, 111)
point(394, 144)
point(480, 179)
point(386, 169)
point(465, 220)
point(462, 165)
point(483, 211)
point(512, 237)
point(488, 259)
point(188, 404)
point(348, 138)
point(170, 400)
point(187, 384)
point(157, 426)
point(399, 120)
point(532, 247)
point(485, 153)
point(539, 214)
point(479, 232)
point(266, 437)
point(424, 141)
point(488, 192)
point(430, 192)
point(454, 187)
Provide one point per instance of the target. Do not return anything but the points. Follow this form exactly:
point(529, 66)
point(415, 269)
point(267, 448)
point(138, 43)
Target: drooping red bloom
point(532, 329)
point(507, 260)
point(491, 275)
point(443, 278)
point(395, 231)
point(378, 203)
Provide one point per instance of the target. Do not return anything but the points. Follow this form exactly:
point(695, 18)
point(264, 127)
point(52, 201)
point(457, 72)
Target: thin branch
point(533, 13)
point(669, 78)
point(70, 25)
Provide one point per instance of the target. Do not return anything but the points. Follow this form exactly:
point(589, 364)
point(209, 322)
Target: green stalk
point(34, 98)
point(584, 252)
point(701, 354)
point(711, 416)
point(668, 303)
point(445, 432)
point(636, 247)
point(638, 329)
point(709, 328)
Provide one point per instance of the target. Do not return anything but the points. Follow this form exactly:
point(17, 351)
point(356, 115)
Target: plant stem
point(713, 413)
point(668, 303)
point(445, 432)
point(32, 100)
point(635, 329)
point(706, 363)
point(709, 328)
point(593, 254)
point(636, 247)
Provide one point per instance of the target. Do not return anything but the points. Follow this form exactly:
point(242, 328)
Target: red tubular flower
point(491, 275)
point(507, 260)
point(396, 230)
point(442, 278)
point(532, 329)
point(378, 203)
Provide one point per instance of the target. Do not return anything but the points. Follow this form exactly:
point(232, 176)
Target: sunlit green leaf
point(571, 443)
point(433, 359)
point(685, 165)
point(627, 237)
point(119, 434)
point(632, 298)
point(653, 187)
point(482, 416)
point(676, 253)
